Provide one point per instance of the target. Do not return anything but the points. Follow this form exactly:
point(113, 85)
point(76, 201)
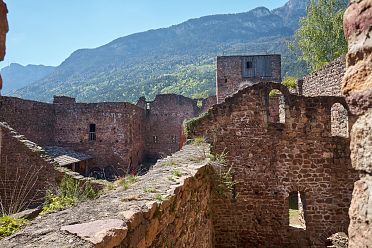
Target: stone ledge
point(148, 215)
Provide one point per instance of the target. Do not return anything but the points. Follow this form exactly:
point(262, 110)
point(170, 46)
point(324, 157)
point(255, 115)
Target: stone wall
point(230, 77)
point(160, 210)
point(326, 81)
point(270, 160)
point(33, 119)
point(25, 171)
point(119, 136)
point(164, 118)
point(357, 87)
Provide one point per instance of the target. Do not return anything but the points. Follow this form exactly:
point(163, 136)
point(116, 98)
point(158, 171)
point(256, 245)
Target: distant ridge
point(178, 59)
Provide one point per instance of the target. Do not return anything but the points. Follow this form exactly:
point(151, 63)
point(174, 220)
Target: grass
point(177, 173)
point(9, 225)
point(67, 194)
point(171, 178)
point(219, 157)
point(198, 141)
point(170, 163)
point(159, 197)
point(150, 190)
point(127, 181)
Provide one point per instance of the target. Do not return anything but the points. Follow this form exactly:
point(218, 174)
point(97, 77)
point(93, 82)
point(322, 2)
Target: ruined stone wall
point(33, 119)
point(357, 87)
point(229, 74)
point(270, 160)
point(25, 171)
point(326, 81)
point(164, 119)
point(119, 136)
point(159, 210)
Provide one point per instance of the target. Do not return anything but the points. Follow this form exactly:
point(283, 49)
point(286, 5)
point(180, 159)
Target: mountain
point(16, 76)
point(177, 59)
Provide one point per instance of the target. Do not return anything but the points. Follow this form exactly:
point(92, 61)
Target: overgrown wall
point(25, 171)
point(270, 160)
point(160, 210)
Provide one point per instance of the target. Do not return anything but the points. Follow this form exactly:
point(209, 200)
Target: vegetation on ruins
point(67, 194)
point(149, 190)
point(177, 173)
point(9, 225)
point(127, 181)
point(290, 82)
point(320, 37)
point(159, 197)
point(198, 141)
point(170, 163)
point(22, 193)
point(189, 125)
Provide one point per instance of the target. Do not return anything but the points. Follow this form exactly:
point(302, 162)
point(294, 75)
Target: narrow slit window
point(148, 106)
point(92, 132)
point(296, 211)
point(174, 139)
point(155, 139)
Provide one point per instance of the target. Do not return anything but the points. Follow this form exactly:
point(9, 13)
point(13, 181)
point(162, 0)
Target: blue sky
point(48, 31)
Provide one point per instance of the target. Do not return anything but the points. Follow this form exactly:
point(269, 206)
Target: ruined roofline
point(247, 55)
point(283, 89)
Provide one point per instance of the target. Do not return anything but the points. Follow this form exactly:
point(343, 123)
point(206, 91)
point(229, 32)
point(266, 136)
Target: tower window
point(155, 139)
point(249, 64)
point(92, 132)
point(296, 202)
point(174, 138)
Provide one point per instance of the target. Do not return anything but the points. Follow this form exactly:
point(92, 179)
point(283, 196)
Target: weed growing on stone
point(9, 225)
point(198, 141)
point(219, 158)
point(170, 163)
point(170, 178)
point(127, 181)
point(150, 190)
point(67, 194)
point(177, 173)
point(159, 197)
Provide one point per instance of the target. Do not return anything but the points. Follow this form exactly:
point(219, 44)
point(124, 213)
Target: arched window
point(339, 121)
point(276, 107)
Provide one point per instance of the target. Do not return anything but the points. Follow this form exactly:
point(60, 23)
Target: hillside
point(178, 59)
point(17, 76)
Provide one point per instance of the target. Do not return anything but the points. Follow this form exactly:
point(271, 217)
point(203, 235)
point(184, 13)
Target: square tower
point(237, 72)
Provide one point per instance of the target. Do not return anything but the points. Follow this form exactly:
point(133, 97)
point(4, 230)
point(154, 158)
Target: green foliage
point(223, 181)
point(9, 225)
point(177, 173)
point(170, 163)
point(290, 82)
point(189, 125)
point(272, 93)
point(320, 37)
point(159, 197)
point(127, 181)
point(150, 190)
point(219, 157)
point(68, 193)
point(198, 141)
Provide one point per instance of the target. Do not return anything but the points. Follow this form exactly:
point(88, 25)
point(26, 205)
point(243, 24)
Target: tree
point(320, 36)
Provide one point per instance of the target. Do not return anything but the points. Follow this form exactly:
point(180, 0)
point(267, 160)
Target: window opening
point(339, 121)
point(92, 132)
point(296, 213)
point(155, 139)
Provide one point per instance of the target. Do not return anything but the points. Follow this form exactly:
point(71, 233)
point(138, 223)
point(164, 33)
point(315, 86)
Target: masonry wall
point(270, 160)
point(229, 76)
point(119, 136)
point(25, 174)
point(326, 81)
point(33, 119)
point(164, 120)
